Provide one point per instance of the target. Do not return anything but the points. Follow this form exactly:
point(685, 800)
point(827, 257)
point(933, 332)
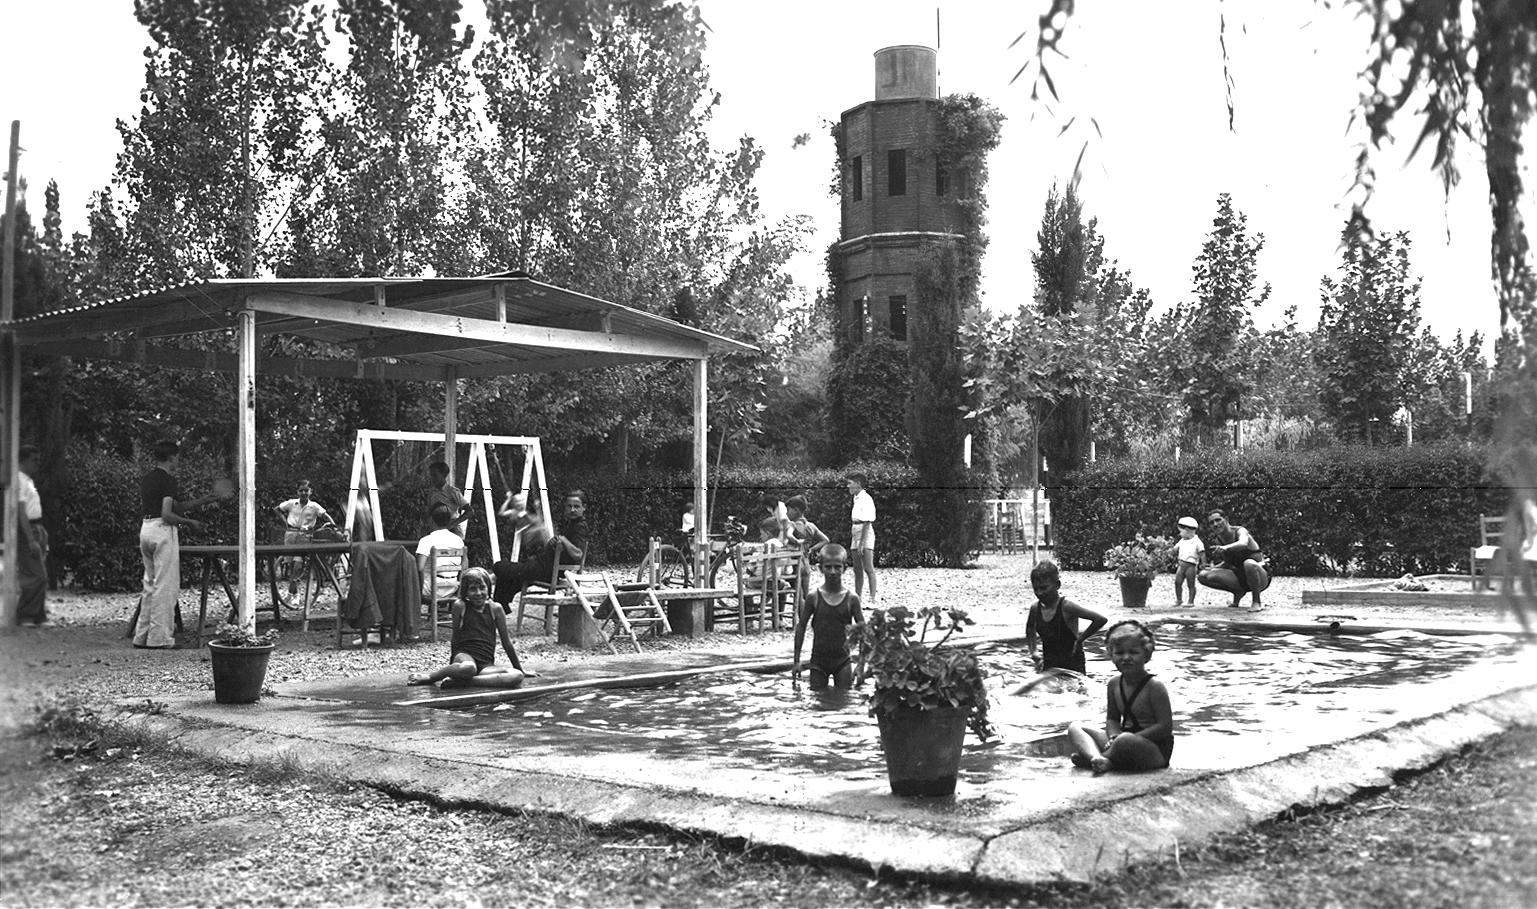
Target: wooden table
point(317, 556)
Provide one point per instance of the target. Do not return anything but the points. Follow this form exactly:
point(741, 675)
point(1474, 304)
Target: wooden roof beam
point(532, 336)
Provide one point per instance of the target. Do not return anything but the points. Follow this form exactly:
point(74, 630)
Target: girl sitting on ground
point(1139, 721)
point(473, 647)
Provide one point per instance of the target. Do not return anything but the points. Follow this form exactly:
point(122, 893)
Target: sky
point(1152, 81)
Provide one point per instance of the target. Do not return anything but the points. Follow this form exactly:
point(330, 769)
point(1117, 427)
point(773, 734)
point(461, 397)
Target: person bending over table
point(1238, 566)
point(537, 565)
point(159, 544)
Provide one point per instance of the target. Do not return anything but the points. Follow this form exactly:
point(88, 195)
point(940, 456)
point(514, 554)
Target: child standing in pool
point(1054, 621)
point(830, 611)
point(1139, 721)
point(472, 658)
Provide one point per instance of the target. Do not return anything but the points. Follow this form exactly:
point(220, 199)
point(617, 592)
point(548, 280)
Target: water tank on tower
point(906, 71)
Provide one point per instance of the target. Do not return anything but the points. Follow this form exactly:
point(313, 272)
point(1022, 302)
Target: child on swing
point(472, 660)
point(1139, 721)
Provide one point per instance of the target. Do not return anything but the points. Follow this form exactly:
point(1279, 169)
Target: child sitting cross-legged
point(472, 659)
point(1139, 721)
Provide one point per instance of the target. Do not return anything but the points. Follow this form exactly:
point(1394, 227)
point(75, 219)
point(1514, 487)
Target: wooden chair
point(643, 614)
point(1488, 557)
point(444, 566)
point(769, 587)
point(552, 595)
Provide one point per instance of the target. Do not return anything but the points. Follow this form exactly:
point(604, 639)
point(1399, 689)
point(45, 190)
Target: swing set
point(365, 475)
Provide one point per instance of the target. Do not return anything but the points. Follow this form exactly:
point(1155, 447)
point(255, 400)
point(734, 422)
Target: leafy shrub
point(1140, 557)
point(1369, 511)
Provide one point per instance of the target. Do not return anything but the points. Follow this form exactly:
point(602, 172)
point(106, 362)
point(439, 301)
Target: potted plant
point(1135, 563)
point(240, 663)
point(925, 696)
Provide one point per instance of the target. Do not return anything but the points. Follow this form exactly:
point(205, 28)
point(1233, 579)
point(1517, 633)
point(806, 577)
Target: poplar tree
point(1218, 342)
point(1367, 329)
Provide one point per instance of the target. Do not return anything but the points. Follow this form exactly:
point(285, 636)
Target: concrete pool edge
point(1072, 844)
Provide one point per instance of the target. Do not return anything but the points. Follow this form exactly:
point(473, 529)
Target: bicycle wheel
point(723, 575)
point(671, 568)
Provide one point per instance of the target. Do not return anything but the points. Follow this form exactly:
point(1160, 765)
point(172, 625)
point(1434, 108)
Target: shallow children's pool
point(1230, 688)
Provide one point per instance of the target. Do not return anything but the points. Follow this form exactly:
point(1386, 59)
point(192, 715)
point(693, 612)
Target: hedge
point(99, 543)
point(1362, 511)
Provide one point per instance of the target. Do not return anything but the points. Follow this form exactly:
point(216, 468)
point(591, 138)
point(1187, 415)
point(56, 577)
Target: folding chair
point(601, 601)
point(556, 593)
point(1488, 557)
point(441, 583)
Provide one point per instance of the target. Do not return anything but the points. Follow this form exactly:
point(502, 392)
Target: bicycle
point(674, 567)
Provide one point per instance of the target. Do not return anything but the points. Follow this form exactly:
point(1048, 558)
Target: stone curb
point(1075, 844)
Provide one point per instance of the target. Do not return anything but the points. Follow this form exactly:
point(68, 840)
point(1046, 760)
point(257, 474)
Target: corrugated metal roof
point(214, 305)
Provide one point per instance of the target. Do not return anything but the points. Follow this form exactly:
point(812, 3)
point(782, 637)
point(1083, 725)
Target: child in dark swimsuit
point(1139, 721)
point(472, 658)
point(1054, 620)
point(830, 610)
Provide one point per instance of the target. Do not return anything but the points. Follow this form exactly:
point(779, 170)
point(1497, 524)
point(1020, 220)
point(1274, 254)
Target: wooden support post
point(701, 462)
point(10, 395)
point(450, 419)
point(245, 390)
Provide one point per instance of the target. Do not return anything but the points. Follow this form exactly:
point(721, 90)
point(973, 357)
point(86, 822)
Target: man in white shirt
point(31, 564)
point(862, 538)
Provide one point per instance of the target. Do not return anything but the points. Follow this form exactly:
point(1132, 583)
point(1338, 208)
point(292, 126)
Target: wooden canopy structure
point(415, 329)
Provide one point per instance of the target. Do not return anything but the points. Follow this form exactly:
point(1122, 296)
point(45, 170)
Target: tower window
point(857, 177)
point(897, 313)
point(854, 328)
point(896, 172)
point(941, 180)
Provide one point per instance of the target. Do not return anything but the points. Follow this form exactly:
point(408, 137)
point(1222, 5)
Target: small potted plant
point(925, 696)
point(240, 663)
point(1135, 563)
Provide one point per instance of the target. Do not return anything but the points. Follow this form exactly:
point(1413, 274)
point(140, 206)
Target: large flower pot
point(923, 749)
point(239, 672)
point(1134, 592)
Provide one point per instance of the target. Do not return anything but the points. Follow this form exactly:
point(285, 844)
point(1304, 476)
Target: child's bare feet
point(1099, 764)
point(419, 678)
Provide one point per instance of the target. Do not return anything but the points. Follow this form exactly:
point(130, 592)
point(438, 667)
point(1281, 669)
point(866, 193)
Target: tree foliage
point(1367, 327)
point(1227, 288)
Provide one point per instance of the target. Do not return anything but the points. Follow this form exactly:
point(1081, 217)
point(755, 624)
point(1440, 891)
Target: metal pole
point(10, 392)
point(701, 463)
point(245, 390)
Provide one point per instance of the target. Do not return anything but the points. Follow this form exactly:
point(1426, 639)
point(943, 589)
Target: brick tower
point(895, 195)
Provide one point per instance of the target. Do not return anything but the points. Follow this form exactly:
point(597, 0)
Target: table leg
point(202, 608)
point(229, 591)
point(272, 576)
point(326, 574)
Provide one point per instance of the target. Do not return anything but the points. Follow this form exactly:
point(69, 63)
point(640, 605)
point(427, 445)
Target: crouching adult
point(1237, 565)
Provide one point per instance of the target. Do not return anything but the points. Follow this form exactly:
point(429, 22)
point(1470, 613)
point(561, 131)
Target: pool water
point(1262, 687)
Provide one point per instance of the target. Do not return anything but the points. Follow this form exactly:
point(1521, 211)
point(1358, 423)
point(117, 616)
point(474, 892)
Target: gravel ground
point(97, 818)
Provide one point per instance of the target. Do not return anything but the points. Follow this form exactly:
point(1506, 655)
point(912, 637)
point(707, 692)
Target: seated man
point(1237, 565)
point(443, 537)
point(538, 564)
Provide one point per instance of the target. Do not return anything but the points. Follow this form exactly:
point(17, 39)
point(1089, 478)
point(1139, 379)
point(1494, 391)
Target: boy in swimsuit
point(1139, 721)
point(1054, 621)
point(473, 651)
point(830, 610)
